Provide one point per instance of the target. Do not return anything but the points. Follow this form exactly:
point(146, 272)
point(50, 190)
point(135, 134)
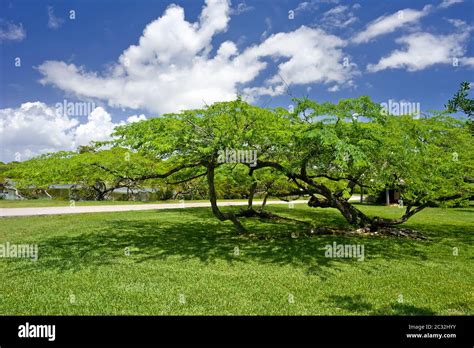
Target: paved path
point(4, 212)
point(111, 208)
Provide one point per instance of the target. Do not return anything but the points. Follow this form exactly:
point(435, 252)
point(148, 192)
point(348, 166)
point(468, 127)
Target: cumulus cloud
point(313, 56)
point(389, 23)
point(423, 50)
point(136, 118)
point(171, 67)
point(36, 128)
point(11, 31)
point(98, 127)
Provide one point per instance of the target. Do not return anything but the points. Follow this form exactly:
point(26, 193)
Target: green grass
point(189, 254)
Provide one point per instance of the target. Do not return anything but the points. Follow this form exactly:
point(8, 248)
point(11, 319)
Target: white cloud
point(448, 3)
point(168, 70)
point(136, 118)
point(253, 93)
point(390, 23)
point(338, 17)
point(467, 61)
point(268, 28)
point(457, 23)
point(312, 5)
point(171, 69)
point(423, 50)
point(306, 6)
point(11, 31)
point(53, 21)
point(241, 7)
point(98, 127)
point(313, 56)
point(36, 128)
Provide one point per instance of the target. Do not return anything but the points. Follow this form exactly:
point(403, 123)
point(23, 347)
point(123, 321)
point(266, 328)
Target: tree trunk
point(353, 215)
point(264, 203)
point(253, 188)
point(215, 209)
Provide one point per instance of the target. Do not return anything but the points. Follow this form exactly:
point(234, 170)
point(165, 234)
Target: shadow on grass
point(196, 234)
point(358, 304)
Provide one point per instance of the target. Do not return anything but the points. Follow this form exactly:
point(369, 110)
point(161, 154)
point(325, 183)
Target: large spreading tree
point(324, 151)
point(321, 151)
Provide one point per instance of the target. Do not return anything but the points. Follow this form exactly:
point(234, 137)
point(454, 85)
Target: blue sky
point(415, 51)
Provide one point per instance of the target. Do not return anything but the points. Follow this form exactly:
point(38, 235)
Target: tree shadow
point(198, 235)
point(359, 305)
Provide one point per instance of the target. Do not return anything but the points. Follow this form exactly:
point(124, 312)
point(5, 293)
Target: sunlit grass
point(187, 262)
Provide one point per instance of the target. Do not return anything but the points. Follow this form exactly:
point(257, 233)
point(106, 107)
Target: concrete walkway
point(4, 212)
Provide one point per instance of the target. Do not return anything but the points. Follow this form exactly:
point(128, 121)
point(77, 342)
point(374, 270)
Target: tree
point(352, 143)
point(324, 151)
point(98, 172)
point(462, 102)
point(188, 143)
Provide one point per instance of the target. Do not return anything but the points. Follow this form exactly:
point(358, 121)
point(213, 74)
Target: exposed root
point(263, 214)
point(400, 232)
point(319, 231)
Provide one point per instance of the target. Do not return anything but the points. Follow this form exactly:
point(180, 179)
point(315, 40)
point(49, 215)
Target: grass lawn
point(187, 262)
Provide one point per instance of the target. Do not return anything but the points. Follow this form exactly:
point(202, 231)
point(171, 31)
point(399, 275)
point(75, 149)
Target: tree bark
point(215, 209)
point(264, 203)
point(253, 188)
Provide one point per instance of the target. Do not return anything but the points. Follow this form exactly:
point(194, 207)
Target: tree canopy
point(322, 151)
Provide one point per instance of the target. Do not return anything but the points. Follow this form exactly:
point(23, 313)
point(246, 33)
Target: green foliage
point(320, 149)
point(424, 158)
point(461, 101)
point(94, 173)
